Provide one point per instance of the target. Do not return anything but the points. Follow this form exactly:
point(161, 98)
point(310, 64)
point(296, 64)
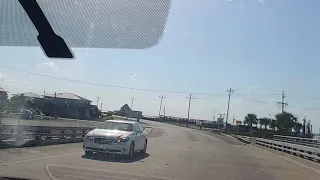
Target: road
point(173, 153)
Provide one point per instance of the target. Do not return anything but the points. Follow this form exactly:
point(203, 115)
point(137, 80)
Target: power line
point(105, 85)
point(252, 94)
point(252, 100)
point(120, 87)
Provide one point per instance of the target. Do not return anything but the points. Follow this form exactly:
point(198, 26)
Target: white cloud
point(261, 1)
point(5, 78)
point(186, 33)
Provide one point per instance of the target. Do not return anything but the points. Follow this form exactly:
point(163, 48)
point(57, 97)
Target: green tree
point(250, 119)
point(265, 122)
point(285, 121)
point(17, 102)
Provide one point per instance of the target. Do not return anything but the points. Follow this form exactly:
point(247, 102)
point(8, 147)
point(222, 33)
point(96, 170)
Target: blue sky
point(255, 47)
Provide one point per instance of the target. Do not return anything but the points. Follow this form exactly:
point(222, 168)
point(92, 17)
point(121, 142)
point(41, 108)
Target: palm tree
point(265, 122)
point(285, 121)
point(250, 119)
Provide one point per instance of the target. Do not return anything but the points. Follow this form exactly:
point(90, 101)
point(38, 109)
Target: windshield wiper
point(52, 44)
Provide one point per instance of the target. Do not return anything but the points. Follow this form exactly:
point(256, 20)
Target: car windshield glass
point(116, 126)
point(160, 89)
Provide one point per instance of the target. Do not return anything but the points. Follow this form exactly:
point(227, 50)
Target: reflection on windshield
point(116, 126)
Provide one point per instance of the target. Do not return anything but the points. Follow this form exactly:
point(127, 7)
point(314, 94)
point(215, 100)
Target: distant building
point(125, 110)
point(28, 95)
point(3, 95)
point(66, 105)
point(27, 100)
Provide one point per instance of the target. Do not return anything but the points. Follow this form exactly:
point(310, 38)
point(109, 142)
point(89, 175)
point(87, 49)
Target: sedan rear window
point(116, 126)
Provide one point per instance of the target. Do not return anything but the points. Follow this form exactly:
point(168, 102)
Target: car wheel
point(88, 153)
point(145, 147)
point(131, 151)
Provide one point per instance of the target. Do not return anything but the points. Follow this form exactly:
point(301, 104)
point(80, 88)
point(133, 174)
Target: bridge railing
point(306, 152)
point(297, 140)
point(12, 135)
point(244, 139)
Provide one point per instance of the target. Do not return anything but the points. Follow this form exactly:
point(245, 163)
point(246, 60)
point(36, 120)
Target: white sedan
point(116, 137)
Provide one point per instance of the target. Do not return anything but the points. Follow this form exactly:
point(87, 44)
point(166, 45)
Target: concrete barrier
point(19, 136)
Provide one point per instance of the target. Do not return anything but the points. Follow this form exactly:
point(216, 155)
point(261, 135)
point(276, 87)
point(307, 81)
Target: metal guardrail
point(244, 139)
point(297, 140)
point(306, 152)
point(12, 135)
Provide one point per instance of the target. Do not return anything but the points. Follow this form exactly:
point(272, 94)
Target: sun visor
point(120, 24)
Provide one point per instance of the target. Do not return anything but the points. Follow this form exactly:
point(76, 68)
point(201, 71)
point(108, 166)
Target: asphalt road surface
point(173, 153)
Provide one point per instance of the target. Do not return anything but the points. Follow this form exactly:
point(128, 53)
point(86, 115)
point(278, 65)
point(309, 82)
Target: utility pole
point(161, 98)
point(233, 119)
point(230, 91)
point(189, 97)
point(101, 106)
point(55, 102)
point(164, 111)
point(98, 98)
point(304, 125)
point(282, 104)
point(132, 99)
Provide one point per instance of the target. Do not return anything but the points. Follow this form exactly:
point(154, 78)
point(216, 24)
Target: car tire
point(131, 151)
point(144, 151)
point(88, 153)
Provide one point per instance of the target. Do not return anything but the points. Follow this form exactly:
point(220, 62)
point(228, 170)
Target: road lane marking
point(98, 169)
point(35, 159)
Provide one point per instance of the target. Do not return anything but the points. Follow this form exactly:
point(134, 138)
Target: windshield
point(116, 126)
point(212, 89)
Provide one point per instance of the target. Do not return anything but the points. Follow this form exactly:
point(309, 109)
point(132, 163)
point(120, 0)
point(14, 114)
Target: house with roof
point(27, 100)
point(66, 105)
point(126, 111)
point(28, 95)
point(3, 95)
